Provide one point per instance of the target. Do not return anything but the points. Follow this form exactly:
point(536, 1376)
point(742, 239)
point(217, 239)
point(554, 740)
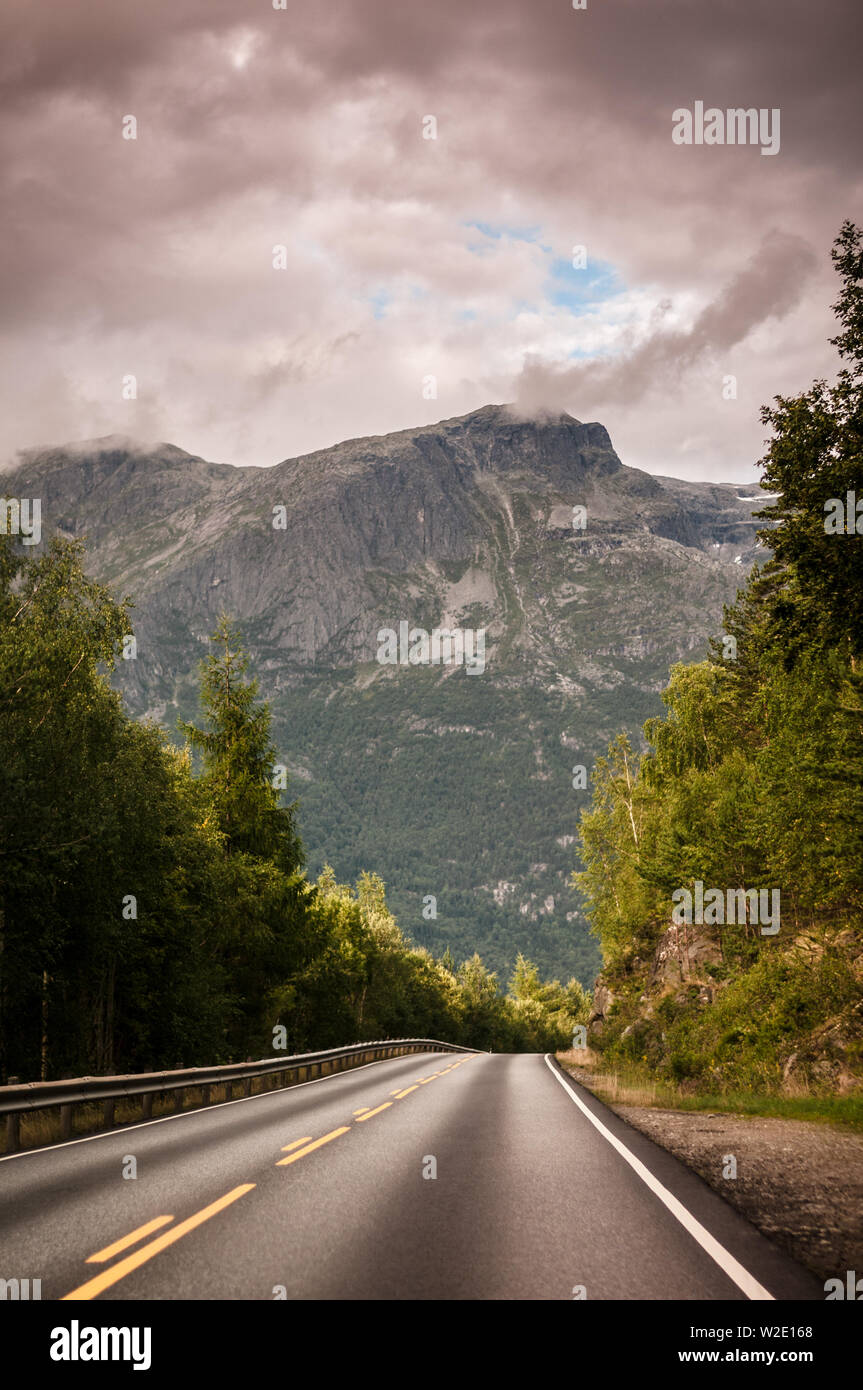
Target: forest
point(753, 779)
point(154, 909)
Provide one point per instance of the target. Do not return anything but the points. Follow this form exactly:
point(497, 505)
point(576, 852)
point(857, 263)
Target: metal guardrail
point(17, 1099)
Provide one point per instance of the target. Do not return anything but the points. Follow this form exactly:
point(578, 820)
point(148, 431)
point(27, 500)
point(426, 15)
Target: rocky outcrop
point(830, 1058)
point(680, 956)
point(603, 999)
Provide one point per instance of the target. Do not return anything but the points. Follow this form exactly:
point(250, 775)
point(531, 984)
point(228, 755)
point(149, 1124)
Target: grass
point(636, 1086)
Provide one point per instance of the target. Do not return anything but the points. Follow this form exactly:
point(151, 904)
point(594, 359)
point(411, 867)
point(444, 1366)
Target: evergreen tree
point(754, 777)
point(814, 583)
point(239, 758)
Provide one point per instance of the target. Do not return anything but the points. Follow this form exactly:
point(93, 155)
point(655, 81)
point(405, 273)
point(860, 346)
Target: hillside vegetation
point(753, 779)
point(154, 911)
point(448, 784)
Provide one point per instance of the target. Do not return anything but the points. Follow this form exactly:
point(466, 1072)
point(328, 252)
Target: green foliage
point(396, 769)
point(814, 584)
point(239, 757)
point(754, 778)
point(150, 916)
point(94, 811)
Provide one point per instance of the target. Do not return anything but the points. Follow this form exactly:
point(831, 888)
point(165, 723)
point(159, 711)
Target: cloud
point(767, 288)
point(303, 128)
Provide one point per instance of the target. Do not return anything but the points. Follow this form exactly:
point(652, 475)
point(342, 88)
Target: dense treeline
point(362, 805)
point(153, 904)
point(754, 779)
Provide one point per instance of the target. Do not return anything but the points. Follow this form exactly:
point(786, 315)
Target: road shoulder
point(799, 1182)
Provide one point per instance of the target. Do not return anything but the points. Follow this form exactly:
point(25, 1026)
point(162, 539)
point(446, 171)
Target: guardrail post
point(12, 1133)
point(179, 1097)
point(205, 1095)
point(66, 1121)
point(247, 1086)
point(13, 1128)
point(107, 1113)
point(229, 1090)
point(147, 1106)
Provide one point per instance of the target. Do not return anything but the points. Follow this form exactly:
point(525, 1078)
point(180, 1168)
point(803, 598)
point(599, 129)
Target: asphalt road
point(319, 1192)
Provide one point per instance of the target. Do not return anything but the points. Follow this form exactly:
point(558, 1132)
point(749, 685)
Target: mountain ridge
point(467, 522)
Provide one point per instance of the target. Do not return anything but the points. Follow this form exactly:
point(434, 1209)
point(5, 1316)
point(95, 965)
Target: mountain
point(450, 784)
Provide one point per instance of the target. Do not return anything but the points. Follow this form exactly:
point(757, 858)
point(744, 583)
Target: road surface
point(320, 1192)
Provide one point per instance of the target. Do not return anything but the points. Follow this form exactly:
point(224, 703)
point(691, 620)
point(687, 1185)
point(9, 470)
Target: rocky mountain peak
point(469, 523)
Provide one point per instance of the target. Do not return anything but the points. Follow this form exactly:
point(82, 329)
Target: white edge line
point(745, 1281)
point(190, 1114)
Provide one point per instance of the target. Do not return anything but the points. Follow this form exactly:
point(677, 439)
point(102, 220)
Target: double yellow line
point(95, 1286)
point(297, 1149)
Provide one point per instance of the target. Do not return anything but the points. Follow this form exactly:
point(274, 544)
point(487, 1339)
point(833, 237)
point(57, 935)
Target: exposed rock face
point(831, 1055)
point(602, 1002)
point(680, 956)
point(466, 523)
point(373, 522)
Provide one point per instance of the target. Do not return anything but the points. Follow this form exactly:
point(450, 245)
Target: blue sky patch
point(576, 290)
point(380, 302)
point(489, 229)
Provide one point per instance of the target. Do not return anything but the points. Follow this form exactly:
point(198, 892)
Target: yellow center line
point(301, 1153)
point(125, 1241)
point(424, 1080)
point(386, 1105)
point(102, 1281)
point(286, 1148)
point(362, 1110)
point(400, 1094)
